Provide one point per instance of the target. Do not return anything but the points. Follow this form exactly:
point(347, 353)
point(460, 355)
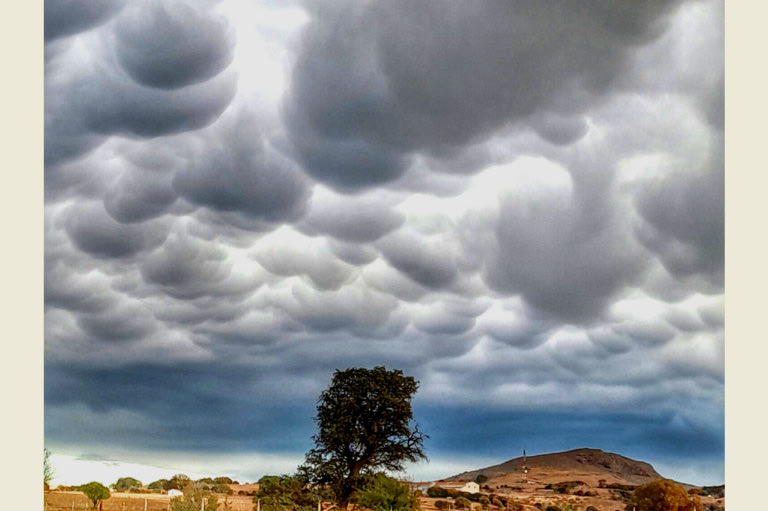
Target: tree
point(661, 495)
point(178, 482)
point(126, 484)
point(159, 485)
point(48, 472)
point(364, 424)
point(278, 493)
point(95, 491)
point(194, 499)
point(382, 493)
point(481, 478)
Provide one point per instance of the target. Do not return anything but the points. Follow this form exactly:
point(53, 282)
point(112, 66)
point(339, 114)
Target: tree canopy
point(278, 493)
point(126, 483)
point(95, 491)
point(364, 422)
point(382, 493)
point(662, 495)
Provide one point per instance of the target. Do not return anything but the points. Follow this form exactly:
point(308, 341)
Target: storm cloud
point(520, 203)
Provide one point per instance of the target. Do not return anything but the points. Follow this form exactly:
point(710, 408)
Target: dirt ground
point(118, 501)
point(605, 500)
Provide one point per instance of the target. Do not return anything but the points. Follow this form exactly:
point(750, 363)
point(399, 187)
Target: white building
point(175, 493)
point(465, 486)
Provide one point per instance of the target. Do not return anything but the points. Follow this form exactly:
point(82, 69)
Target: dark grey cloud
point(68, 17)
point(351, 219)
point(564, 261)
point(519, 203)
point(243, 172)
point(128, 323)
point(423, 261)
point(139, 195)
point(686, 219)
point(372, 85)
point(170, 45)
point(93, 231)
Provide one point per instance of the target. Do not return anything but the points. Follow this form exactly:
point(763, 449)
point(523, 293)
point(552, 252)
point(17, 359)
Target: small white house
point(465, 486)
point(175, 493)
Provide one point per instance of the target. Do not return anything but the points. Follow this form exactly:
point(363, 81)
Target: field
point(527, 498)
point(69, 501)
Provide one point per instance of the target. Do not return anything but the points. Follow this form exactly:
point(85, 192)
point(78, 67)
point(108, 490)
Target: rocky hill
point(589, 465)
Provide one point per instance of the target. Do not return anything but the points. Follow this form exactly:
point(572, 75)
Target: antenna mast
point(525, 468)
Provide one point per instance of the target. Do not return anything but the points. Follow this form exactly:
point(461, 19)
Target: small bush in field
point(95, 491)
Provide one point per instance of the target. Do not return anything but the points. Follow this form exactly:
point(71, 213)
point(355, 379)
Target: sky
point(519, 203)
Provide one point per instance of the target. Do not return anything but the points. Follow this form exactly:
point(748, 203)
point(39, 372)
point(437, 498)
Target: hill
point(588, 465)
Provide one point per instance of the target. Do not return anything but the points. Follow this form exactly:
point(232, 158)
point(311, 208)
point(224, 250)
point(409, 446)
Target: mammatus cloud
point(519, 203)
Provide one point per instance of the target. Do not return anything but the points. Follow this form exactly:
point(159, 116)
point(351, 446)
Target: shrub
point(95, 491)
point(717, 492)
point(159, 485)
point(278, 493)
point(194, 499)
point(441, 504)
point(553, 508)
point(462, 503)
point(591, 508)
point(382, 493)
point(437, 492)
point(564, 487)
point(126, 484)
point(662, 495)
point(221, 488)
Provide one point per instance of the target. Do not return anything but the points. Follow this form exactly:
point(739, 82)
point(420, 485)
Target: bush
point(591, 508)
point(382, 493)
point(662, 495)
point(462, 503)
point(278, 493)
point(159, 485)
point(481, 478)
point(95, 491)
point(564, 487)
point(126, 484)
point(441, 504)
point(553, 508)
point(193, 500)
point(437, 492)
point(717, 492)
point(222, 488)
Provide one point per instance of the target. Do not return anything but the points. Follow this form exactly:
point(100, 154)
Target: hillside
point(588, 465)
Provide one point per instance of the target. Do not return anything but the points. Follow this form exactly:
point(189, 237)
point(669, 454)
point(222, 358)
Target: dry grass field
point(74, 500)
point(526, 498)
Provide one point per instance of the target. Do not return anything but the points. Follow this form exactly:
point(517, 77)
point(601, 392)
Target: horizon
point(107, 472)
point(519, 204)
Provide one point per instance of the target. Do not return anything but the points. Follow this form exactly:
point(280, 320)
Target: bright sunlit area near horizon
point(518, 204)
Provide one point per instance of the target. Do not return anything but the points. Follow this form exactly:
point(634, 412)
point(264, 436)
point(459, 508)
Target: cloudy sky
point(520, 203)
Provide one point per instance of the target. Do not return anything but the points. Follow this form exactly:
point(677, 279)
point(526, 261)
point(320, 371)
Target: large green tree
point(365, 424)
